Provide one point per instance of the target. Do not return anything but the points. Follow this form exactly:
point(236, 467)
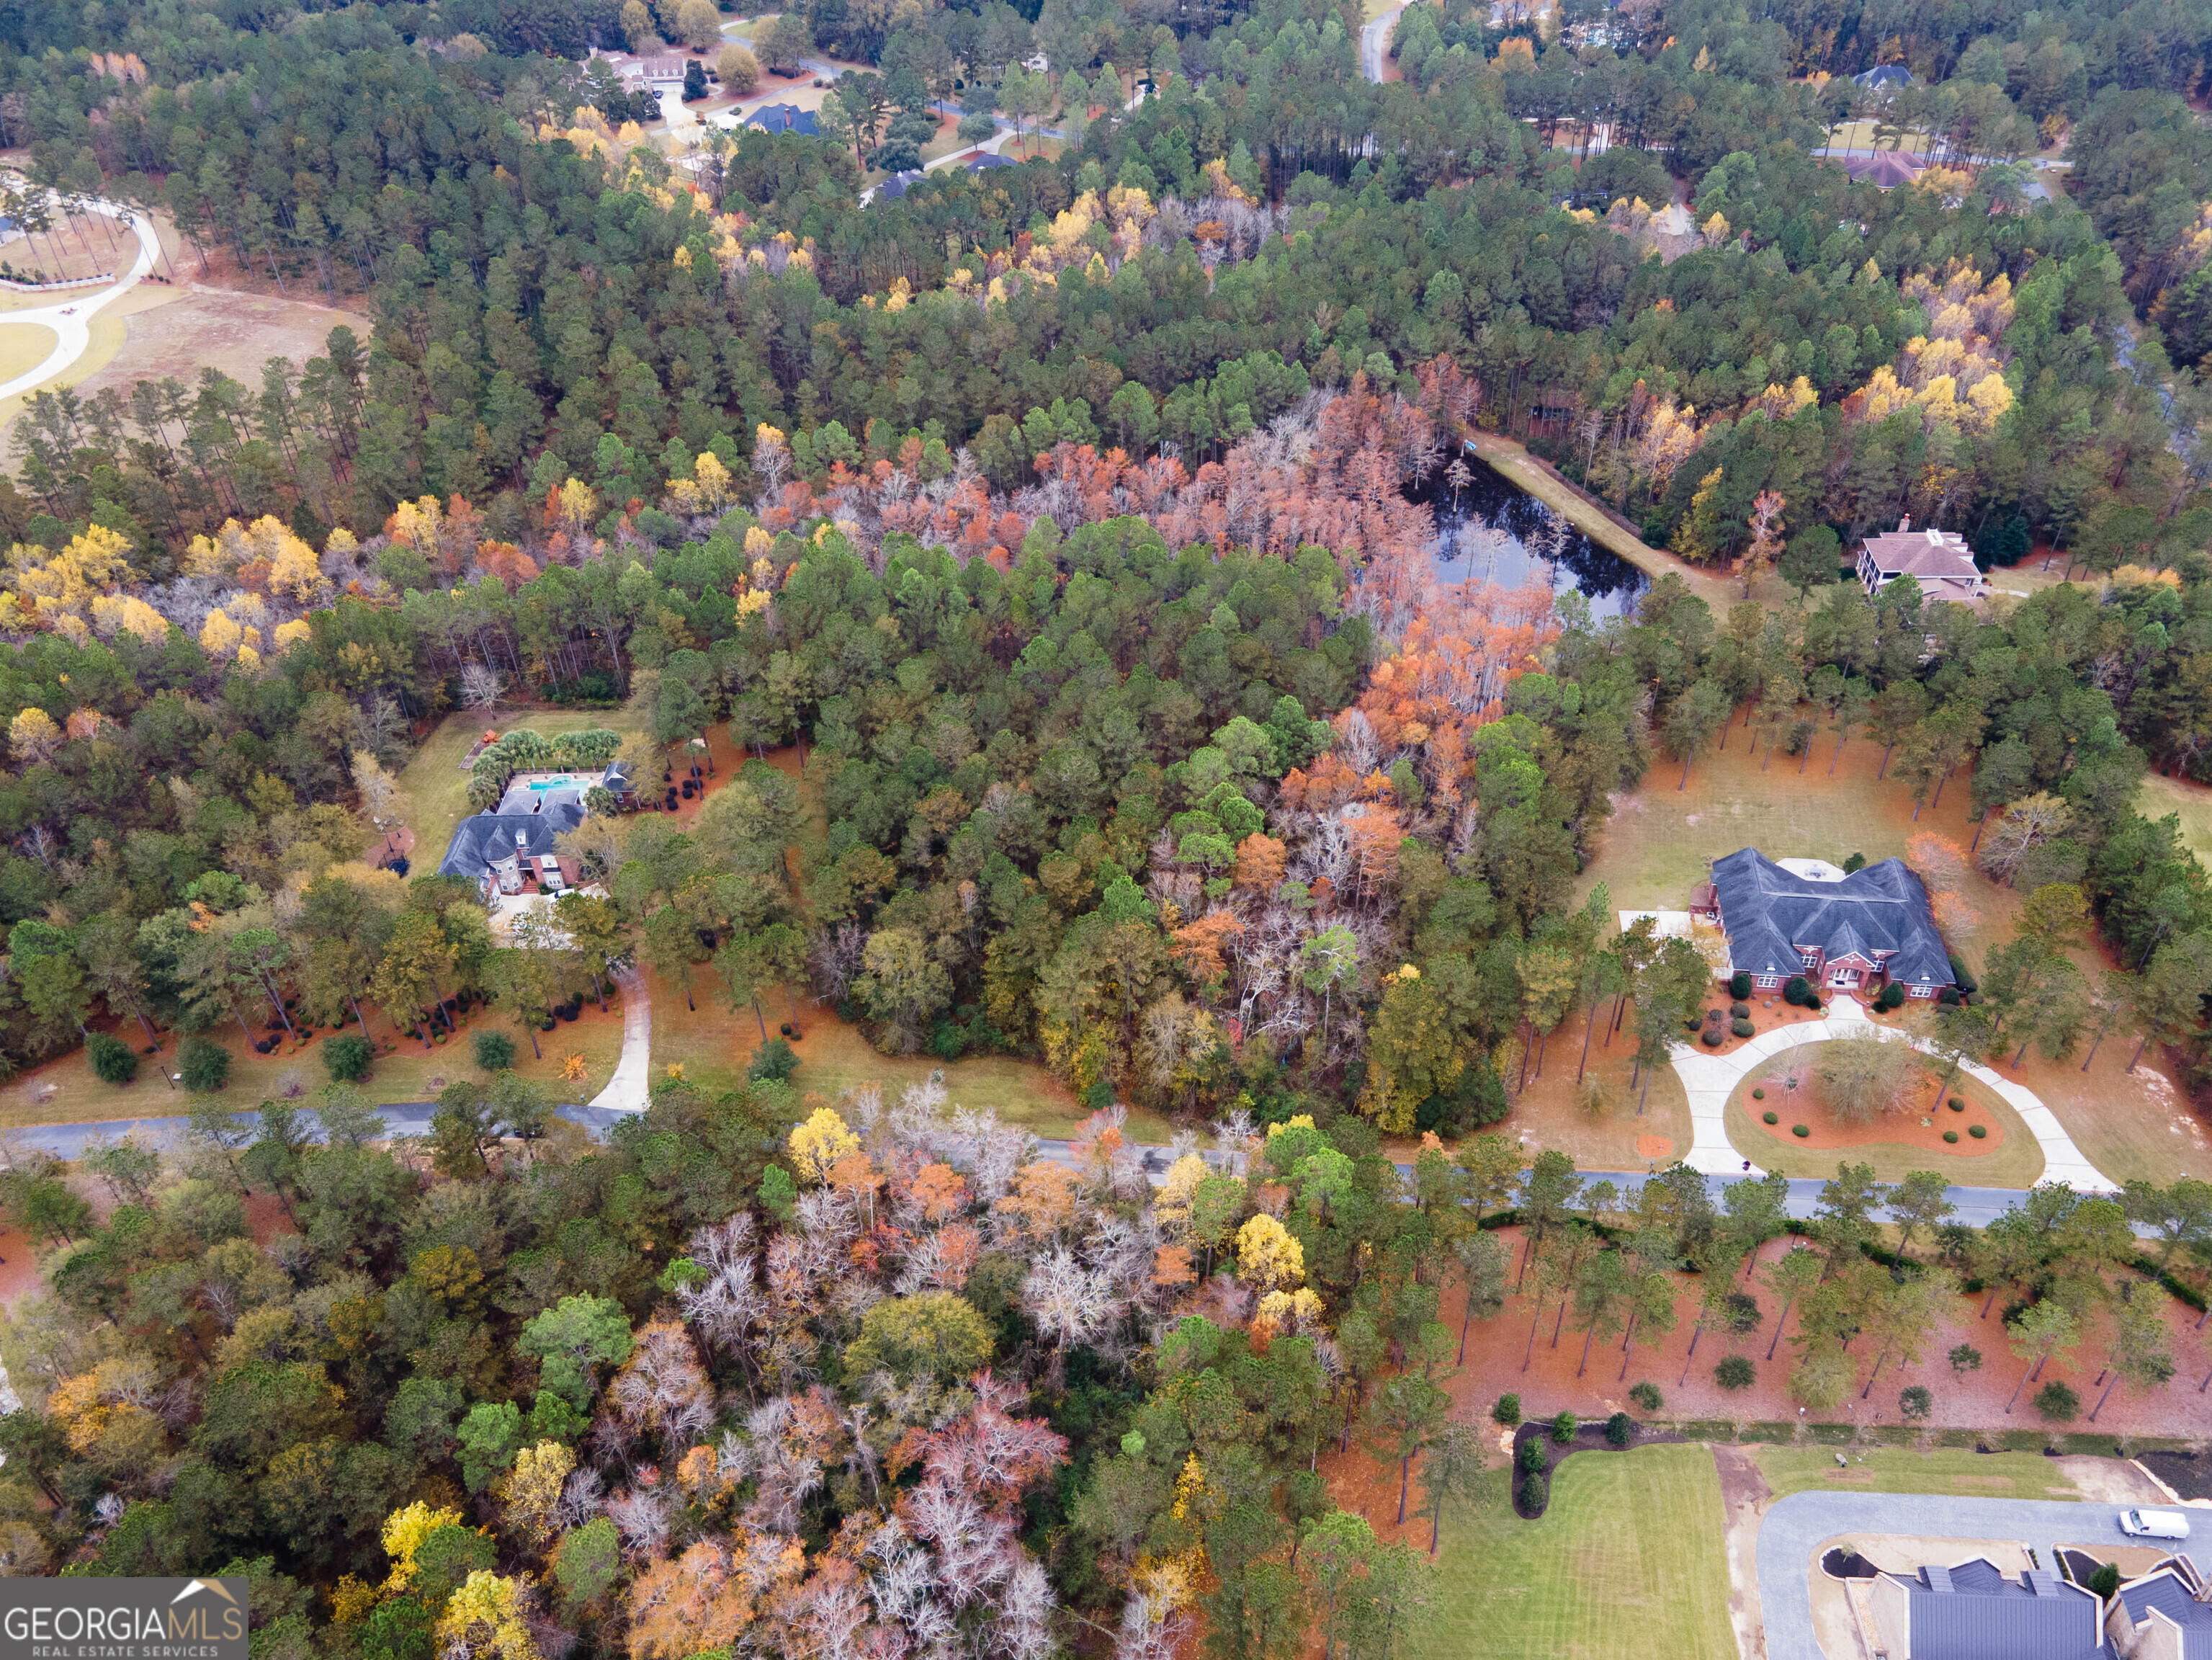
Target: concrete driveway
point(1796, 1524)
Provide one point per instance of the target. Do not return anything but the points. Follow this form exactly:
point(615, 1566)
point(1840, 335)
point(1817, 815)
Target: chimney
point(1905, 523)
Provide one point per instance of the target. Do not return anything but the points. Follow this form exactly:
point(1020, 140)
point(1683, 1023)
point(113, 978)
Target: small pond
point(1490, 530)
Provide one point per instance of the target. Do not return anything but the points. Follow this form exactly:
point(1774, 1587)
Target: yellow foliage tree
point(820, 1142)
point(220, 637)
point(1269, 1255)
point(32, 735)
point(125, 613)
point(533, 1488)
point(579, 504)
point(405, 1530)
point(1172, 1204)
point(484, 1620)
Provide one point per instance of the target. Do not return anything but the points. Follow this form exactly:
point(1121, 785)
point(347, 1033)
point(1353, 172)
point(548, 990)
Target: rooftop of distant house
point(1939, 561)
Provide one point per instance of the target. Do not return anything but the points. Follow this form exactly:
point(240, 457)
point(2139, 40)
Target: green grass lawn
point(1955, 1470)
point(2193, 802)
point(438, 789)
point(1627, 1562)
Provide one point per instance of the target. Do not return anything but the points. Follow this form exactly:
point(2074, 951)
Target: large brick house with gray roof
point(1848, 933)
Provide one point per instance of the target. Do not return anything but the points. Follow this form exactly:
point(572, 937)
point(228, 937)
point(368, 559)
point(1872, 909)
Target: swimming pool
point(565, 781)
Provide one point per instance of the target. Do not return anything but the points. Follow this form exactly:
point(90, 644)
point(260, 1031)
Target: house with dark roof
point(502, 851)
point(1972, 1612)
point(784, 118)
point(1848, 932)
point(1884, 169)
point(1940, 563)
point(2164, 1614)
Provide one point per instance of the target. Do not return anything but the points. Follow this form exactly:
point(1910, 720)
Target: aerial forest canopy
point(1052, 546)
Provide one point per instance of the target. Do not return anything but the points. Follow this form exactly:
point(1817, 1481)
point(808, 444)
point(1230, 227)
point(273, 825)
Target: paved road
point(1789, 1531)
point(70, 316)
point(1374, 41)
point(1976, 1206)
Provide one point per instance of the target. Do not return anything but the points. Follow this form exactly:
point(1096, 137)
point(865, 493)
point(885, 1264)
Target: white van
point(2154, 1523)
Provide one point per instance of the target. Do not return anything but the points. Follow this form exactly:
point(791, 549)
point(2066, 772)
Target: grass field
point(1661, 837)
point(1901, 1469)
point(715, 1044)
point(2192, 803)
point(1627, 1562)
point(407, 1072)
point(438, 789)
point(2017, 1162)
point(23, 347)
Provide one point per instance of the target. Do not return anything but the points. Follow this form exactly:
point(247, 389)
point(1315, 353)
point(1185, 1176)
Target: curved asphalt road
point(1790, 1530)
point(70, 316)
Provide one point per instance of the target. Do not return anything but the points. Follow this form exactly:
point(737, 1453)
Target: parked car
point(2154, 1523)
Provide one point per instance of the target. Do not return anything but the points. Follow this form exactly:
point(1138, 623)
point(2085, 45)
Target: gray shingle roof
point(1768, 913)
point(1972, 1612)
point(2164, 1590)
point(486, 838)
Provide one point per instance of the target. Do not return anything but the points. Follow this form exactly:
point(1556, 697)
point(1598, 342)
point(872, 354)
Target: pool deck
point(526, 791)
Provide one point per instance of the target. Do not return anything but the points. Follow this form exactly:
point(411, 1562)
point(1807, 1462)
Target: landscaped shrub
point(1952, 1136)
point(1532, 1454)
point(1741, 1026)
point(1740, 1010)
point(1712, 1037)
point(1893, 996)
point(204, 1065)
point(775, 1059)
point(1967, 983)
point(1812, 1003)
point(1758, 1095)
point(1507, 1412)
point(1966, 1358)
point(1563, 1428)
point(348, 1058)
point(1770, 1117)
point(1915, 1403)
point(1957, 1106)
point(1947, 999)
point(1800, 1131)
point(1856, 862)
point(2057, 1403)
point(1794, 991)
point(495, 1050)
point(1647, 1396)
point(1979, 1131)
point(1619, 1430)
point(1740, 985)
point(2105, 1580)
point(113, 1060)
point(1532, 1491)
point(1736, 1372)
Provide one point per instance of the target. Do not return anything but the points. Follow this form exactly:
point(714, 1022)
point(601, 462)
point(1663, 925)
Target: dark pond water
point(1490, 530)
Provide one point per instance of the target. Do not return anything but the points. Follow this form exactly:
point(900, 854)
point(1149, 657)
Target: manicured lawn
point(1956, 1470)
point(439, 790)
point(23, 347)
point(2016, 1162)
point(1627, 1562)
point(406, 1072)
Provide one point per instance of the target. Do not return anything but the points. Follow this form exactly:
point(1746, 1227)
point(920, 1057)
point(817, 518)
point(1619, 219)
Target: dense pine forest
point(1063, 531)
